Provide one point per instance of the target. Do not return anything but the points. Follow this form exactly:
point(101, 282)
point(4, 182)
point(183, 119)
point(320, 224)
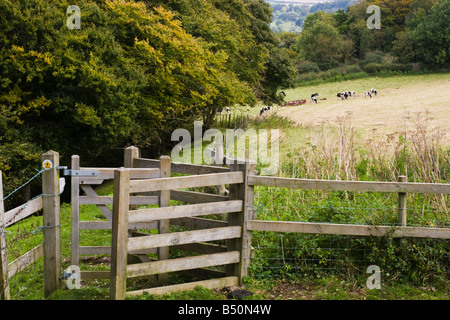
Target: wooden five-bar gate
point(136, 232)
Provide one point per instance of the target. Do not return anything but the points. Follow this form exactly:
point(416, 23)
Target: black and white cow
point(374, 91)
point(314, 97)
point(264, 109)
point(367, 94)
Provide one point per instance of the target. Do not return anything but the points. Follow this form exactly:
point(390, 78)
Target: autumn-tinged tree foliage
point(133, 73)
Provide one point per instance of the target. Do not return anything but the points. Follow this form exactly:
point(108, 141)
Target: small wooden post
point(164, 201)
point(130, 154)
point(4, 284)
point(245, 193)
point(52, 231)
point(119, 245)
point(75, 212)
point(402, 204)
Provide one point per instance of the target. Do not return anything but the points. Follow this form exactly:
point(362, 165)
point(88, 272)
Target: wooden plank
point(104, 200)
point(185, 182)
point(88, 250)
point(94, 250)
point(177, 238)
point(75, 212)
point(4, 283)
point(198, 223)
point(348, 229)
point(103, 208)
point(357, 186)
point(108, 173)
point(208, 284)
point(25, 260)
point(180, 167)
point(107, 225)
point(190, 210)
point(91, 275)
point(14, 215)
point(172, 265)
point(196, 197)
point(52, 230)
point(119, 234)
point(201, 247)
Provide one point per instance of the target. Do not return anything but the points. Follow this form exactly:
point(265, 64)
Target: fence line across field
point(142, 237)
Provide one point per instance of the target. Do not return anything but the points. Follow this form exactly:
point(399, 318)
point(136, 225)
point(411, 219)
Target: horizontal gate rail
point(190, 210)
point(179, 167)
point(202, 180)
point(179, 264)
point(178, 238)
point(103, 200)
point(135, 173)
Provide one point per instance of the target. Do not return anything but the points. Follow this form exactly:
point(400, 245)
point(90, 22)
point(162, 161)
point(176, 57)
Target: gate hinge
point(79, 173)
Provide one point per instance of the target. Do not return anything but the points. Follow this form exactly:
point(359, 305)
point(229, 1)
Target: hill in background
point(288, 16)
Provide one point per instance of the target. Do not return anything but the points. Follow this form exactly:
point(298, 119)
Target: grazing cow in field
point(374, 91)
point(351, 94)
point(314, 97)
point(367, 94)
point(264, 109)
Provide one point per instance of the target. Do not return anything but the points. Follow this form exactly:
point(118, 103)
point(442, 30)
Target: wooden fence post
point(75, 212)
point(164, 225)
point(119, 245)
point(130, 154)
point(244, 192)
point(402, 204)
point(52, 231)
point(4, 283)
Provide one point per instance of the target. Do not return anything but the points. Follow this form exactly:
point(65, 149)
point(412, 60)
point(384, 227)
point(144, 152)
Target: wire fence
point(277, 254)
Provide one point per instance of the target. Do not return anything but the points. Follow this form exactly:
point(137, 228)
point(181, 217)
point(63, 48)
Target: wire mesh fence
point(277, 254)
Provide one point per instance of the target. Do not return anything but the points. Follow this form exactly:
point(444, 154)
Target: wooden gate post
point(52, 231)
point(243, 192)
point(119, 245)
point(164, 225)
point(75, 212)
point(402, 204)
point(130, 154)
point(4, 283)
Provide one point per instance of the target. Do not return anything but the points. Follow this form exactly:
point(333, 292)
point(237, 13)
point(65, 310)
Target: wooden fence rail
point(402, 188)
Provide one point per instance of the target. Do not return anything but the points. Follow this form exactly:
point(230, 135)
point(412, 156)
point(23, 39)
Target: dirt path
point(386, 111)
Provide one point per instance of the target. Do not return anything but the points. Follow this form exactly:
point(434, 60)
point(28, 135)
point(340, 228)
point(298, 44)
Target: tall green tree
point(432, 35)
point(131, 74)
